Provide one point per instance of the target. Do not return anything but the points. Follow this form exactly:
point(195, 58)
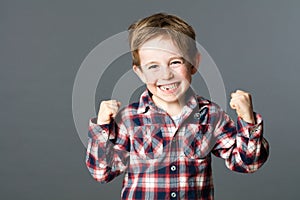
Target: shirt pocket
point(148, 141)
point(198, 141)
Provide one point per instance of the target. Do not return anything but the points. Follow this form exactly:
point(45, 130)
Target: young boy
point(164, 142)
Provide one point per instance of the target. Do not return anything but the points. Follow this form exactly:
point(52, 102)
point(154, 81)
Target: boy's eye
point(176, 63)
point(152, 67)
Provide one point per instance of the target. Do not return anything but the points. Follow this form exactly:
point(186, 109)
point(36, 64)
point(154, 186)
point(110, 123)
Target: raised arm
point(242, 145)
point(108, 144)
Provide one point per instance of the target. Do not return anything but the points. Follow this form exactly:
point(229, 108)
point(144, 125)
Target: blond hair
point(165, 25)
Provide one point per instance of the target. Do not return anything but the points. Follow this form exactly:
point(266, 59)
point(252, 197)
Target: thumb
point(119, 103)
point(232, 105)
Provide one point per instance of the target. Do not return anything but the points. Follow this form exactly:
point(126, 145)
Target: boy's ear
point(197, 63)
point(139, 73)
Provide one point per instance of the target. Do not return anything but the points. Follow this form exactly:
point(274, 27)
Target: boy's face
point(164, 70)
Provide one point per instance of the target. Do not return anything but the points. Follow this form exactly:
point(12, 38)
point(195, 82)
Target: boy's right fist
point(107, 111)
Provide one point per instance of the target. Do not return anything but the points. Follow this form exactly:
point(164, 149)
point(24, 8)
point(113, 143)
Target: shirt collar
point(192, 101)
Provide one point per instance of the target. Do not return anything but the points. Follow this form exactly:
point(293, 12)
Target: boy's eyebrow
point(171, 58)
point(150, 63)
point(176, 57)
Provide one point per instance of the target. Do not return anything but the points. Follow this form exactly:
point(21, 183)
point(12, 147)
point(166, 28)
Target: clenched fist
point(241, 101)
point(107, 111)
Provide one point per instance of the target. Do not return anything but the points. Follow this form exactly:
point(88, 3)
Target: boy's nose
point(167, 73)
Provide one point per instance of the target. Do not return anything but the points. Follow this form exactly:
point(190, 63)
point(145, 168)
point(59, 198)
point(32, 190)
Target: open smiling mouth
point(168, 87)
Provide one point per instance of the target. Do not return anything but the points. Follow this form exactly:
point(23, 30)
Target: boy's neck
point(172, 108)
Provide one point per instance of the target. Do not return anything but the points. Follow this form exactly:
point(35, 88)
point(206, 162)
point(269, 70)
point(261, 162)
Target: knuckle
point(243, 97)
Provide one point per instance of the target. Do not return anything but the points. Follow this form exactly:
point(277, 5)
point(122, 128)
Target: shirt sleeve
point(107, 151)
point(243, 146)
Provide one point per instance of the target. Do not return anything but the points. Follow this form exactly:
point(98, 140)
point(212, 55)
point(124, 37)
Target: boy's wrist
point(249, 118)
point(95, 121)
point(99, 122)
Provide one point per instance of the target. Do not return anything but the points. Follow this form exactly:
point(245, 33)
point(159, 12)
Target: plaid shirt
point(165, 160)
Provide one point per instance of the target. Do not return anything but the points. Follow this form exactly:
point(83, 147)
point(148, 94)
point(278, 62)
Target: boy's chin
point(167, 99)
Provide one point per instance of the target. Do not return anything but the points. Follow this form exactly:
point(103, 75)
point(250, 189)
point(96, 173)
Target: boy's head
point(165, 56)
point(163, 25)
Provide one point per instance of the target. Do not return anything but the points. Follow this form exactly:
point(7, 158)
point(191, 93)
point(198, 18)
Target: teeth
point(169, 87)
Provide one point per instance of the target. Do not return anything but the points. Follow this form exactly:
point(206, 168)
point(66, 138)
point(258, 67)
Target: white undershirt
point(176, 118)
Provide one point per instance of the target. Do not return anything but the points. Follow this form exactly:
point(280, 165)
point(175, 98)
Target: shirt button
point(101, 165)
point(103, 132)
point(173, 168)
point(173, 194)
point(197, 116)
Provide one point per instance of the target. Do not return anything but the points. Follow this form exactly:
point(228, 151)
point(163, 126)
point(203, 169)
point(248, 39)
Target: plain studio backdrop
point(255, 45)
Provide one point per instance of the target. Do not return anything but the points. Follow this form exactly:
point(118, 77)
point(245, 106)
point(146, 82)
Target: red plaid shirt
point(162, 159)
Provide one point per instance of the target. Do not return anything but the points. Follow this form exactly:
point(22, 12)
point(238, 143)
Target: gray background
point(255, 44)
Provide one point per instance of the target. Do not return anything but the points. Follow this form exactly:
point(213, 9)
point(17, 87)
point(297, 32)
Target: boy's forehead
point(161, 44)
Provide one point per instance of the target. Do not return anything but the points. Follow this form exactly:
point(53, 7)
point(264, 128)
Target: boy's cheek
point(150, 80)
point(150, 86)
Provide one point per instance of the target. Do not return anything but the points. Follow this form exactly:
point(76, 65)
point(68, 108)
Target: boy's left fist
point(241, 101)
